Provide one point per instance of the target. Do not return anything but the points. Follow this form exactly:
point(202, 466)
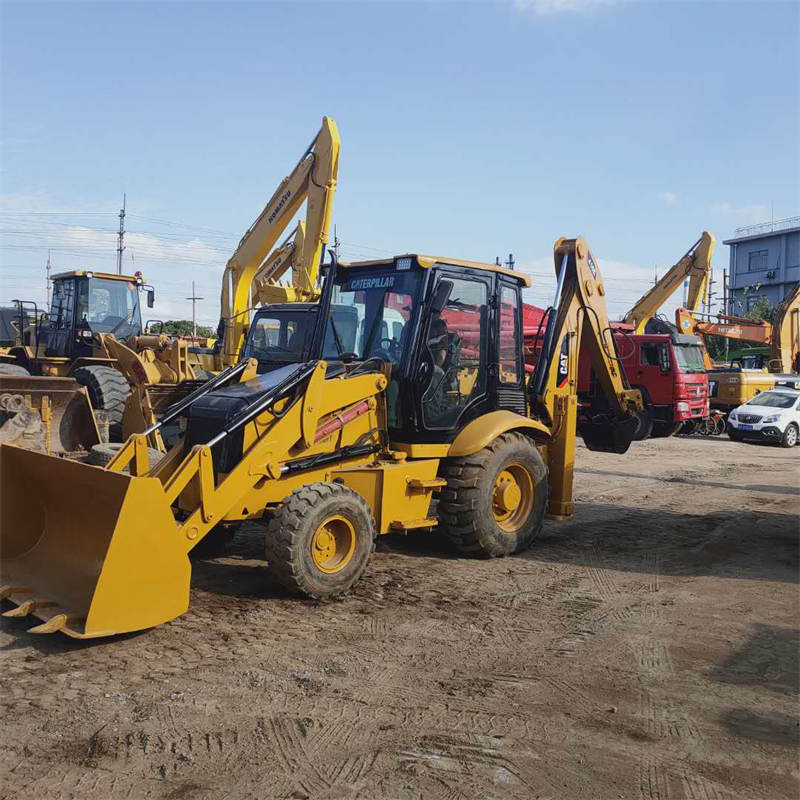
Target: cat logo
point(563, 364)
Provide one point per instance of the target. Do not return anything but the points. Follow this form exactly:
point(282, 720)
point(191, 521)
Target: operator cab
point(450, 330)
point(85, 303)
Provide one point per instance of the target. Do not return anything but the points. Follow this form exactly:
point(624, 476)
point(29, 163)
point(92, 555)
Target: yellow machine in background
point(695, 266)
point(733, 385)
point(416, 399)
point(253, 273)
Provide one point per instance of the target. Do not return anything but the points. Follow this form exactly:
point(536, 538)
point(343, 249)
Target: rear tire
point(13, 369)
point(495, 500)
point(790, 436)
point(663, 430)
point(320, 540)
point(108, 391)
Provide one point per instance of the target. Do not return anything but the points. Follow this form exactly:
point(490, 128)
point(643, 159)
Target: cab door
point(452, 379)
point(62, 313)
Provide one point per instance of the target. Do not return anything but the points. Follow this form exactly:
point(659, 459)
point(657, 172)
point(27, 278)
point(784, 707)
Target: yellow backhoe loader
point(424, 394)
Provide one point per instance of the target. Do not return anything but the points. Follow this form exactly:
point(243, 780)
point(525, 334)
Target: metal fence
point(767, 227)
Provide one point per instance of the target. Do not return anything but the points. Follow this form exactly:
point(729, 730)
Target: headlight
point(772, 418)
point(682, 406)
point(732, 415)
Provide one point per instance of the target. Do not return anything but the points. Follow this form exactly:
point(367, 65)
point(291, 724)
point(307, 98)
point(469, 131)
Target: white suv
point(771, 416)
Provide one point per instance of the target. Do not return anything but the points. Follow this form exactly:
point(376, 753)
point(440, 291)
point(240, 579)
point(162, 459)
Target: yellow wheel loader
point(420, 392)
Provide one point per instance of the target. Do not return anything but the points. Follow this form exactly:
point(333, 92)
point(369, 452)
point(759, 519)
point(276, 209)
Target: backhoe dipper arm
point(694, 265)
point(580, 321)
point(785, 347)
point(313, 179)
point(266, 288)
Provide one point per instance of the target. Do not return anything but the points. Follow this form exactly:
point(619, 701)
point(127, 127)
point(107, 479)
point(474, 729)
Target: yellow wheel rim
point(512, 497)
point(333, 544)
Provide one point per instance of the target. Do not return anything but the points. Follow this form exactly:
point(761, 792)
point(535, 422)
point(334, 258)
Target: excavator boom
point(695, 265)
point(312, 180)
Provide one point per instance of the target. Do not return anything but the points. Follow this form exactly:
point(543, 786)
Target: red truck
point(668, 368)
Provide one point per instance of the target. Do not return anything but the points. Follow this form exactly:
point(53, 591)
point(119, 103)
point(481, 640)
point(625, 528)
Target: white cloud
point(546, 7)
point(746, 214)
point(668, 197)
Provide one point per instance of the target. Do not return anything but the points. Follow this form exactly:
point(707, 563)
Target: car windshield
point(773, 400)
point(374, 309)
point(109, 306)
point(689, 358)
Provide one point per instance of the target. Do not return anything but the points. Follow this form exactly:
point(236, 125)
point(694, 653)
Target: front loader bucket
point(64, 422)
point(609, 436)
point(88, 551)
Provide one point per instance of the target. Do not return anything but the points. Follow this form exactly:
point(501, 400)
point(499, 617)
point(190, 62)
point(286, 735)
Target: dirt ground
point(647, 649)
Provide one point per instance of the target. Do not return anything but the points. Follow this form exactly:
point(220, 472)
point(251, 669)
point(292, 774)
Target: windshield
point(109, 306)
point(380, 305)
point(773, 400)
point(280, 336)
point(689, 358)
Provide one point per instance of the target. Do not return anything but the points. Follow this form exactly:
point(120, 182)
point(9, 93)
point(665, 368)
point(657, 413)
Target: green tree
point(181, 327)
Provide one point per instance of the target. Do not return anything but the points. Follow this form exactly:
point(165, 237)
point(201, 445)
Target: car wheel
point(789, 438)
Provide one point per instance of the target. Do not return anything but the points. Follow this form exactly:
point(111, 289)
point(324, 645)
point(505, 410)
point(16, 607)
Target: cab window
point(509, 336)
point(456, 347)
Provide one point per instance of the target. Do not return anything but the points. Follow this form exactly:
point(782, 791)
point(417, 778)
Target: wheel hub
point(333, 544)
point(512, 497)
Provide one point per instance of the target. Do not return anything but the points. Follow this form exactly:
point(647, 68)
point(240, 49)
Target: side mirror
point(151, 298)
point(442, 295)
point(665, 361)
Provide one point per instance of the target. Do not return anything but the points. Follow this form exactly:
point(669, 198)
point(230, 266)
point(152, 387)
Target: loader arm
point(785, 346)
point(694, 265)
point(312, 180)
point(580, 320)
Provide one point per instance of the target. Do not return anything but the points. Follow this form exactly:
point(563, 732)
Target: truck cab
point(670, 372)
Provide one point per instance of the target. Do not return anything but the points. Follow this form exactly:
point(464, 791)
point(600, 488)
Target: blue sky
point(469, 129)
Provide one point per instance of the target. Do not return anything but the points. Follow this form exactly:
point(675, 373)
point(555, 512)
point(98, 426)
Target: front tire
point(663, 430)
point(645, 429)
point(495, 500)
point(108, 391)
point(320, 540)
point(790, 436)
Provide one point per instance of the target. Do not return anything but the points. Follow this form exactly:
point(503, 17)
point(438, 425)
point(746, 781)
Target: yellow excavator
point(253, 273)
point(732, 385)
point(694, 266)
point(425, 395)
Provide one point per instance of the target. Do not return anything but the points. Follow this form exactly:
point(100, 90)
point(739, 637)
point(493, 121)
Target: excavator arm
point(312, 180)
point(785, 346)
point(289, 256)
point(694, 265)
point(578, 320)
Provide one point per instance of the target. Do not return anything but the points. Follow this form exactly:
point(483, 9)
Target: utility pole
point(725, 305)
point(48, 281)
point(335, 243)
point(194, 298)
point(711, 292)
point(121, 235)
point(510, 263)
point(655, 275)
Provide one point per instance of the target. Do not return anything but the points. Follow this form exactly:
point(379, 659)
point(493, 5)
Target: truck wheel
point(495, 500)
point(663, 430)
point(13, 369)
point(108, 390)
point(320, 540)
point(645, 429)
point(789, 438)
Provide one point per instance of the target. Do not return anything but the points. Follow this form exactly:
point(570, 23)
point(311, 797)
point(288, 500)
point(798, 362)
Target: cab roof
point(90, 273)
point(428, 261)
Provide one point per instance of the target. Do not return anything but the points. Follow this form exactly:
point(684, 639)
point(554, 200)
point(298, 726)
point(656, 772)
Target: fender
point(480, 432)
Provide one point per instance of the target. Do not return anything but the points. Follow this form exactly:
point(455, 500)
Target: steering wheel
point(391, 353)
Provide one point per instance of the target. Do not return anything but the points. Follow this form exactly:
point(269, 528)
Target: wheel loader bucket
point(607, 436)
point(51, 415)
point(87, 551)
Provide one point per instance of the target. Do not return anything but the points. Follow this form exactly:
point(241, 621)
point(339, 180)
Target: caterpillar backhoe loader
point(732, 385)
point(415, 397)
